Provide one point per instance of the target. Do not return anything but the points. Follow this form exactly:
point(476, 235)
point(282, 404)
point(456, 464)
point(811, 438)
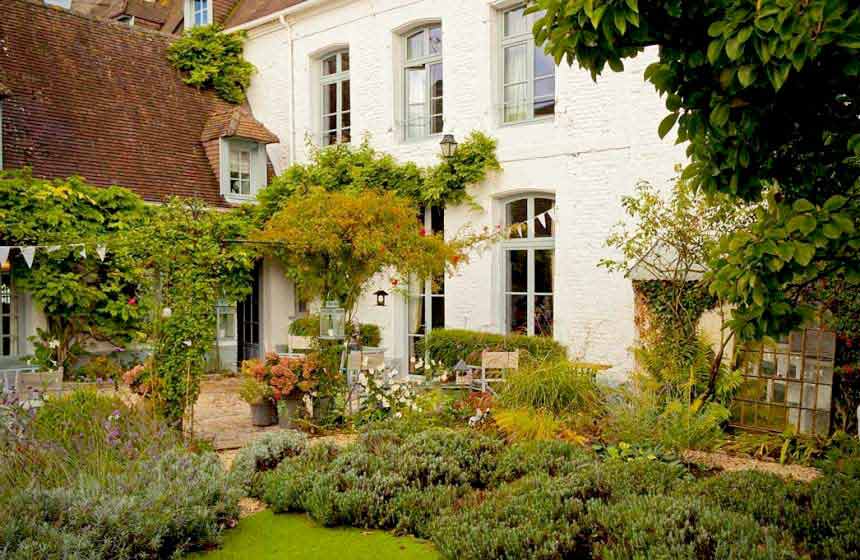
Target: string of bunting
point(543, 219)
point(29, 251)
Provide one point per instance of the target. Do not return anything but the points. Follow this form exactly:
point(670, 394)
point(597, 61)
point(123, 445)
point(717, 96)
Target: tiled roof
point(100, 100)
point(163, 15)
point(236, 122)
point(249, 10)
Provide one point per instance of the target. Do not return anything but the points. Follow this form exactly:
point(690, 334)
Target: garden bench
point(495, 363)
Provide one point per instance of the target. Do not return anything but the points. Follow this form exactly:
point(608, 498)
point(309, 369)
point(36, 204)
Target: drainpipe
point(289, 27)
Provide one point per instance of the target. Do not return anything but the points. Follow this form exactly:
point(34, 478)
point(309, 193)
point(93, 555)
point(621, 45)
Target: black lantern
point(448, 145)
point(380, 297)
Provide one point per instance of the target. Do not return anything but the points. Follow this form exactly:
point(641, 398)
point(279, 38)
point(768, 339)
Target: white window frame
point(191, 13)
point(7, 291)
point(257, 168)
point(428, 60)
point(227, 308)
point(341, 79)
point(530, 244)
point(526, 39)
point(426, 293)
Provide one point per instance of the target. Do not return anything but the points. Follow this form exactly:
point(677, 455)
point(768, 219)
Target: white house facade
point(401, 73)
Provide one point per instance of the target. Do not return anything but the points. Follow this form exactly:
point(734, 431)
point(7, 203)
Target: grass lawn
point(265, 536)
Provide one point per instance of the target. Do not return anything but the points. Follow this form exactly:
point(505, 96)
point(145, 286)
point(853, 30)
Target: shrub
point(535, 518)
point(557, 386)
point(449, 346)
point(833, 526)
point(552, 458)
point(675, 527)
point(442, 457)
point(284, 488)
point(524, 424)
point(158, 508)
point(414, 509)
point(641, 476)
point(264, 454)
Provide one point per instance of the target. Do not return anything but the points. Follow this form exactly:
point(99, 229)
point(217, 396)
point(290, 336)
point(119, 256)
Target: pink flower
point(132, 300)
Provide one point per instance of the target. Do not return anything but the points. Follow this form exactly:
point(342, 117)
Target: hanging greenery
point(184, 266)
point(83, 297)
point(349, 168)
point(208, 58)
point(675, 309)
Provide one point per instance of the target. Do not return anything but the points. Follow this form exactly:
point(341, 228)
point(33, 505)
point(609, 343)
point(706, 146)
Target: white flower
point(398, 414)
point(187, 343)
point(53, 343)
point(166, 312)
point(384, 402)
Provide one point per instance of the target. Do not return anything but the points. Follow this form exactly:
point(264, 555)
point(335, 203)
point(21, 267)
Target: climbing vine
point(673, 308)
point(211, 59)
point(361, 168)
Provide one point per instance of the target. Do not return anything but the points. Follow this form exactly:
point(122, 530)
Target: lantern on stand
point(332, 320)
point(380, 297)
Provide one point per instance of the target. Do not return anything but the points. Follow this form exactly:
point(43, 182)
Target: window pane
point(516, 67)
point(544, 64)
point(329, 98)
point(329, 123)
point(438, 309)
point(437, 124)
point(543, 315)
point(544, 88)
point(517, 314)
point(436, 40)
point(543, 221)
point(436, 107)
point(517, 271)
point(415, 46)
point(416, 85)
point(344, 95)
point(234, 161)
point(436, 80)
point(345, 135)
point(416, 94)
point(344, 61)
point(330, 138)
point(517, 215)
point(330, 65)
point(543, 271)
point(245, 162)
point(515, 22)
point(345, 119)
point(416, 315)
point(544, 108)
point(437, 219)
point(235, 188)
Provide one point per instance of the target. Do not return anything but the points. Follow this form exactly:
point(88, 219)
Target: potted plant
point(257, 392)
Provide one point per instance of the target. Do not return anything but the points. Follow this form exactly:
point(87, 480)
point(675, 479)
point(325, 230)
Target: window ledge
point(234, 198)
point(539, 120)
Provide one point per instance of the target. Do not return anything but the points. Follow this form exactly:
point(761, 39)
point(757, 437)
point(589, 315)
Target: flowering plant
point(382, 401)
point(139, 378)
point(285, 376)
point(432, 369)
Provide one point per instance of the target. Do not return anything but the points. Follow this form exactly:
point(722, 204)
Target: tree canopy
point(766, 95)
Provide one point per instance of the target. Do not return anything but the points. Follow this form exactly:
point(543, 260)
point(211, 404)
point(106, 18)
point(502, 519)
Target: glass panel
point(543, 271)
point(515, 22)
point(768, 365)
point(344, 61)
point(235, 187)
point(437, 124)
point(438, 311)
point(517, 271)
point(437, 219)
point(543, 315)
point(517, 319)
point(779, 392)
point(415, 46)
point(517, 218)
point(416, 96)
point(543, 221)
point(544, 89)
point(416, 315)
point(824, 397)
point(329, 65)
point(544, 64)
point(345, 119)
point(516, 68)
point(345, 135)
point(330, 138)
point(344, 95)
point(436, 39)
point(437, 286)
point(822, 423)
point(544, 107)
point(245, 162)
point(436, 80)
point(329, 98)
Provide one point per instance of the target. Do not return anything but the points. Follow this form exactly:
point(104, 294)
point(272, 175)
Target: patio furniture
point(29, 386)
point(299, 344)
point(498, 364)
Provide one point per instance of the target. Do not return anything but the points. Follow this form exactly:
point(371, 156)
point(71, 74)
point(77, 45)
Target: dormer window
point(198, 13)
point(243, 169)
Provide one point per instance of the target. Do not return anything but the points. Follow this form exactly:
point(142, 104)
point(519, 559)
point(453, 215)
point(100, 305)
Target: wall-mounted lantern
point(448, 145)
point(380, 297)
point(332, 320)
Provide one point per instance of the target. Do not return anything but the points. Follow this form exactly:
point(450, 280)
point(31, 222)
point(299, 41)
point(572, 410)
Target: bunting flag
point(101, 251)
point(29, 254)
point(53, 248)
point(4, 255)
point(83, 252)
point(541, 219)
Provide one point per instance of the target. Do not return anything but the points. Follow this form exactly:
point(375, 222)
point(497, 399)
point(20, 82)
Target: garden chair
point(299, 344)
point(495, 364)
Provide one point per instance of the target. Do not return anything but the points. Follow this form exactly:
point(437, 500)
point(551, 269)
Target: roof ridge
point(119, 25)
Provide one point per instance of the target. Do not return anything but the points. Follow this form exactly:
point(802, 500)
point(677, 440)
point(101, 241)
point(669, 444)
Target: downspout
point(289, 27)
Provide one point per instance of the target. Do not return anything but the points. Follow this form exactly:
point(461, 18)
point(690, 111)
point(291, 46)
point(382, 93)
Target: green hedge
point(310, 326)
point(449, 346)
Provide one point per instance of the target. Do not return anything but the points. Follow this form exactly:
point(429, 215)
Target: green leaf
point(666, 124)
point(633, 5)
point(620, 21)
point(714, 50)
point(803, 205)
point(616, 64)
point(803, 253)
point(854, 144)
point(598, 15)
point(734, 48)
point(778, 75)
point(835, 202)
point(844, 222)
point(803, 223)
point(832, 231)
point(746, 75)
point(720, 115)
point(717, 28)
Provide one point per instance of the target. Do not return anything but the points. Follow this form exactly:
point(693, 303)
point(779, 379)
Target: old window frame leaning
point(193, 8)
point(531, 237)
point(340, 79)
point(432, 120)
point(787, 384)
point(523, 39)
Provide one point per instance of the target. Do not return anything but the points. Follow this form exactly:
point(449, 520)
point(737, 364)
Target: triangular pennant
point(29, 254)
point(541, 219)
point(83, 252)
point(101, 251)
point(4, 254)
point(551, 213)
point(53, 248)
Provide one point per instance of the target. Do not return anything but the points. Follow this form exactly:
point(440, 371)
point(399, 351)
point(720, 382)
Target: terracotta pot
point(288, 409)
point(264, 414)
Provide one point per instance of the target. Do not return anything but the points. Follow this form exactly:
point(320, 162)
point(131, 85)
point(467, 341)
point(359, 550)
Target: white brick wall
point(602, 140)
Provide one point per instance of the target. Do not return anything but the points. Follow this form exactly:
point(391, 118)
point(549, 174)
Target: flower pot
point(288, 409)
point(264, 414)
point(323, 407)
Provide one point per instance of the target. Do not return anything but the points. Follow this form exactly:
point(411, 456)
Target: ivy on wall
point(211, 59)
point(674, 309)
